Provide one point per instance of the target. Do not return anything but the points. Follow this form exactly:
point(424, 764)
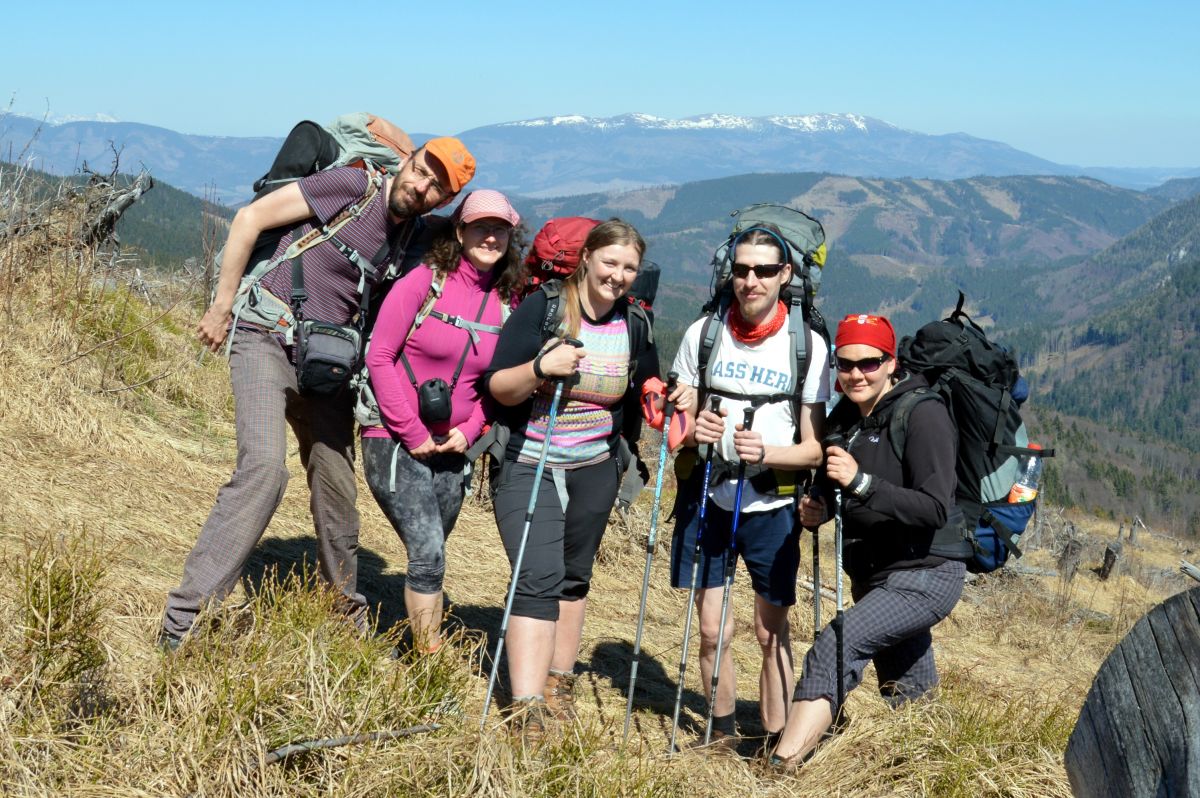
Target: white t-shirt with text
point(759, 369)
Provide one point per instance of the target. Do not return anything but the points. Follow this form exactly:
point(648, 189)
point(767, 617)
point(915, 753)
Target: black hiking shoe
point(168, 643)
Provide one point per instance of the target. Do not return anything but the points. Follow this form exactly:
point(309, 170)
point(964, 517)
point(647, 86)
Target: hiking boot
point(527, 721)
point(168, 643)
point(560, 695)
point(721, 743)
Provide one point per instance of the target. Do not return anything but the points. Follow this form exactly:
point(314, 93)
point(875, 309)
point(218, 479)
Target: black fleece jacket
point(909, 500)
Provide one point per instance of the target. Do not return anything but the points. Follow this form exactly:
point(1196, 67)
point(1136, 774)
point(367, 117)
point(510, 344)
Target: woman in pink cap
point(904, 548)
point(435, 334)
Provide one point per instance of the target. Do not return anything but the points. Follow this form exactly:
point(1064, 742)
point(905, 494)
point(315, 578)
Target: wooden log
point(1138, 733)
point(1112, 553)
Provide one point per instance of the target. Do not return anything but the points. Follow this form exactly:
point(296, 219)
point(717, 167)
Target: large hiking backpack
point(555, 252)
point(349, 140)
point(803, 239)
point(981, 386)
point(803, 242)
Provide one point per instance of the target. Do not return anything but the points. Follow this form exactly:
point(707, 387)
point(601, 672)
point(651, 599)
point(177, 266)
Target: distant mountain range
point(562, 155)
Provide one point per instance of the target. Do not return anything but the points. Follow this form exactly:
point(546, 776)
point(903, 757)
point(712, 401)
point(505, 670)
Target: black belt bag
point(327, 355)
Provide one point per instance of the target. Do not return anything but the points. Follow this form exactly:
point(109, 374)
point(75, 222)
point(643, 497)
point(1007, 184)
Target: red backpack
point(555, 252)
point(556, 248)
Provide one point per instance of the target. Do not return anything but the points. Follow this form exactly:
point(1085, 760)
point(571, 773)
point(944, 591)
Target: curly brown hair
point(445, 254)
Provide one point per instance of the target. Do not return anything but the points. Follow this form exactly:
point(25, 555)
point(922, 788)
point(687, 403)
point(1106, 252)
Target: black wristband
point(537, 367)
point(861, 485)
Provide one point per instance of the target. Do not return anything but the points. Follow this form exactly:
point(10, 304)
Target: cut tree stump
point(1112, 553)
point(1138, 733)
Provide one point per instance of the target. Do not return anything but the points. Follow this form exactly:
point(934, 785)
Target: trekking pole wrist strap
point(537, 367)
point(861, 486)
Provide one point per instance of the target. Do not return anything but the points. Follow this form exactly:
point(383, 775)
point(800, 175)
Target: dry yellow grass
point(130, 474)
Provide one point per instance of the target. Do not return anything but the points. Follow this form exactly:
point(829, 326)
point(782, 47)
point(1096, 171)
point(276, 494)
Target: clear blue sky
point(1085, 83)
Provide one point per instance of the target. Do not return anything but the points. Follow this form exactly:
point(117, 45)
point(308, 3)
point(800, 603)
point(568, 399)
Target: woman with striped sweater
point(599, 405)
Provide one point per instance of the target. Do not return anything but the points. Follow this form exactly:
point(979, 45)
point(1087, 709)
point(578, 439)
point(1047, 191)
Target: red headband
point(863, 328)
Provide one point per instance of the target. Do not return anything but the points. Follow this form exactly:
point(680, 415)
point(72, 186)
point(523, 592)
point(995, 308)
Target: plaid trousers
point(265, 403)
point(888, 625)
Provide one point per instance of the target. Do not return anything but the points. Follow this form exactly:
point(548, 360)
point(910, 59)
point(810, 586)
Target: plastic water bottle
point(1025, 489)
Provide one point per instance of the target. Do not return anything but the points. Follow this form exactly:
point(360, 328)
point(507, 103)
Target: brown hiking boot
point(721, 743)
point(560, 695)
point(527, 721)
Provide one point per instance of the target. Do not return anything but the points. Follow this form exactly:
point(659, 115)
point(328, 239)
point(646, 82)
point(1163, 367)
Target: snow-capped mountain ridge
point(811, 123)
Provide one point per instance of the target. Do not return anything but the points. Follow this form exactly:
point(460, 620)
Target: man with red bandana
point(751, 365)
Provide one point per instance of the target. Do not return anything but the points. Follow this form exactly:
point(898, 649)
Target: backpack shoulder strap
point(641, 334)
point(710, 338)
point(798, 327)
point(553, 317)
point(435, 293)
point(901, 411)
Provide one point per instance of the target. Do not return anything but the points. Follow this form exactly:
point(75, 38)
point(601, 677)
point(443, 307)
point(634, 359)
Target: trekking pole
point(816, 574)
point(715, 407)
point(730, 563)
point(651, 543)
point(533, 496)
point(839, 634)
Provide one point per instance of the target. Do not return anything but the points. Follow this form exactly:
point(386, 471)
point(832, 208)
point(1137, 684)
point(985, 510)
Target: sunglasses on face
point(762, 271)
point(868, 365)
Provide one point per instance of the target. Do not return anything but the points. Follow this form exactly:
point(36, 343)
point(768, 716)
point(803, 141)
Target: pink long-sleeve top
point(433, 351)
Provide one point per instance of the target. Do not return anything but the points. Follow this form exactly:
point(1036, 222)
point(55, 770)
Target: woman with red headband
point(904, 551)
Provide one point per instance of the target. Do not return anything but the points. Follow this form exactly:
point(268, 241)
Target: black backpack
point(982, 388)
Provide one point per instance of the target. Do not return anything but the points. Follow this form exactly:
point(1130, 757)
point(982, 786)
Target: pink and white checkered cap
point(486, 203)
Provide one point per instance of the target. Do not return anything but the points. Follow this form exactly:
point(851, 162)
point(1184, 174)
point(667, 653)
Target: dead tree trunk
point(1138, 733)
point(1068, 560)
point(1112, 553)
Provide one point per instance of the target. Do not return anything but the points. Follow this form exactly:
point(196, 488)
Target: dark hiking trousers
point(888, 625)
point(562, 546)
point(423, 508)
point(265, 403)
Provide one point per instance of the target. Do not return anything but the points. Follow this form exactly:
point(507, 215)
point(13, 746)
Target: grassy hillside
point(116, 438)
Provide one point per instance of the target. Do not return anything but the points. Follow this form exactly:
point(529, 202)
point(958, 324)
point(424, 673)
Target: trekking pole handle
point(714, 404)
point(834, 439)
point(748, 418)
point(672, 384)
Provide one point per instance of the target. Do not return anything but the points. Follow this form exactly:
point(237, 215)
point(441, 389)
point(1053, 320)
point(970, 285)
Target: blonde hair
point(605, 234)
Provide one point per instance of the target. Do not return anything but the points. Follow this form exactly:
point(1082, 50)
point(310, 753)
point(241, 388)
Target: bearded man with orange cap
point(360, 221)
point(904, 550)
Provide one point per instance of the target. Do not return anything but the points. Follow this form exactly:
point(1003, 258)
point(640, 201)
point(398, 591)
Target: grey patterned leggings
point(888, 625)
point(424, 507)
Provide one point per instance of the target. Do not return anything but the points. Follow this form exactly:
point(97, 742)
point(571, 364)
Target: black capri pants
point(561, 548)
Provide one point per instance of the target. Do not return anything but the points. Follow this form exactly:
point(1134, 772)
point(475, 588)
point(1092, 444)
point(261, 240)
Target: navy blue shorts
point(768, 543)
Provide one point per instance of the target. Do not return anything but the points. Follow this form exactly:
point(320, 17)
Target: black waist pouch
point(327, 355)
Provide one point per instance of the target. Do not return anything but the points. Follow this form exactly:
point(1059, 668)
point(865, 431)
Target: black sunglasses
point(762, 271)
point(868, 365)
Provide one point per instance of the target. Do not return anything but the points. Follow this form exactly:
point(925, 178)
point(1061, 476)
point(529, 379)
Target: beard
point(402, 204)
